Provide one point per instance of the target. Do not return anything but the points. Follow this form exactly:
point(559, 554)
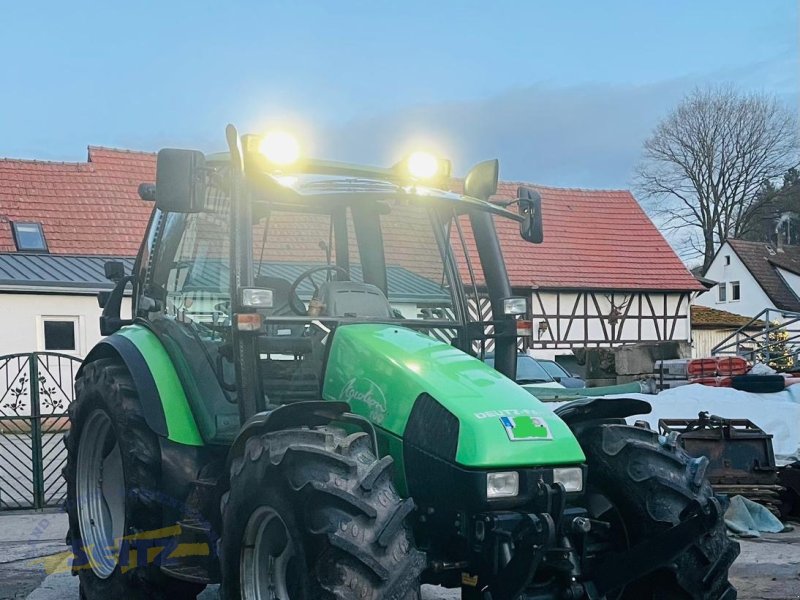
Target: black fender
point(313, 413)
point(117, 346)
point(601, 409)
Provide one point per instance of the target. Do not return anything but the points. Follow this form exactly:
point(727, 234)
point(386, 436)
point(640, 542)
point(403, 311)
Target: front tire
point(313, 515)
point(113, 475)
point(645, 482)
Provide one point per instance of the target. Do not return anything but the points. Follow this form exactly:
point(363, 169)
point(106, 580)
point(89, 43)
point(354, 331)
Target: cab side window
point(191, 275)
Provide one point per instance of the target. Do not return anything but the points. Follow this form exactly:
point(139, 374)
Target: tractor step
point(194, 557)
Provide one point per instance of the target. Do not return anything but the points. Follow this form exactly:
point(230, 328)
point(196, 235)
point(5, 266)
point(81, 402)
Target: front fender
point(164, 404)
point(594, 409)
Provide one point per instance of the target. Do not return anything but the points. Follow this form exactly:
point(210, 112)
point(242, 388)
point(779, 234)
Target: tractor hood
point(381, 370)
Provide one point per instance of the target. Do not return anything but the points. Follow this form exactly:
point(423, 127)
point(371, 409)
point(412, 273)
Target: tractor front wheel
point(312, 514)
point(644, 484)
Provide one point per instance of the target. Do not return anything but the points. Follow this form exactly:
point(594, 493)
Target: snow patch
point(777, 414)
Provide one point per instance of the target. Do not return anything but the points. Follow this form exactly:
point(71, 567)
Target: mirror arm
point(110, 320)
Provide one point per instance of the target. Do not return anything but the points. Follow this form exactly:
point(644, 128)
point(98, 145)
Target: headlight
point(515, 306)
point(570, 477)
point(502, 485)
point(257, 297)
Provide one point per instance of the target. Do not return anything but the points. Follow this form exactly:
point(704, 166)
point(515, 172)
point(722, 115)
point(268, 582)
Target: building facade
point(752, 276)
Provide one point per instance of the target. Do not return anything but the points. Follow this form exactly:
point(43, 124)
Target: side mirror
point(180, 181)
point(481, 181)
point(530, 208)
point(110, 319)
point(114, 270)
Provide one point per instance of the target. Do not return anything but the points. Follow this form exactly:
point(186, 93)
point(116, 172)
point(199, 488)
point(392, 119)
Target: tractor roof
point(323, 179)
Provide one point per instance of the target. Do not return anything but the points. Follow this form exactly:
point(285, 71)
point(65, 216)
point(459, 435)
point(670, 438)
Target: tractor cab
point(247, 270)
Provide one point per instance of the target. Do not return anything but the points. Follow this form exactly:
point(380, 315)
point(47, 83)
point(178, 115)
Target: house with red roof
point(59, 224)
point(604, 275)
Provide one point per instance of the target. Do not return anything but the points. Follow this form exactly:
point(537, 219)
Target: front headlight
point(570, 477)
point(515, 306)
point(502, 485)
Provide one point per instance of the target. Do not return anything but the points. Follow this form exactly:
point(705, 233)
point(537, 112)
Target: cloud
point(579, 136)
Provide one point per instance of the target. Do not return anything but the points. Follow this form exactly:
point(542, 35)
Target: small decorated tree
point(778, 352)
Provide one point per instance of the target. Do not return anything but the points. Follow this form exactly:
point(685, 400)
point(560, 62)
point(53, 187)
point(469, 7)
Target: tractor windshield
point(356, 260)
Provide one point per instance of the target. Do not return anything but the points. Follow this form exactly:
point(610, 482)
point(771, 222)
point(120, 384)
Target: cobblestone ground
point(767, 569)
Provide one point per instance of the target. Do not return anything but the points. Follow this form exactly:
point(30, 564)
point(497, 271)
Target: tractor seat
point(353, 299)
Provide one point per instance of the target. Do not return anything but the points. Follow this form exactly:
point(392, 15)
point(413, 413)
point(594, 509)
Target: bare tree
point(704, 164)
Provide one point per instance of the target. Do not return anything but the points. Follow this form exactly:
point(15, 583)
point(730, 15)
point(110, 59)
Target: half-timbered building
point(604, 276)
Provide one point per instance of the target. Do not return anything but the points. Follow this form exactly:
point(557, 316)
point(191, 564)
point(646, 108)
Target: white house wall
point(753, 298)
point(565, 312)
point(21, 317)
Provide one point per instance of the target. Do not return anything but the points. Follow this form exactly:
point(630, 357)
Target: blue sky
point(563, 92)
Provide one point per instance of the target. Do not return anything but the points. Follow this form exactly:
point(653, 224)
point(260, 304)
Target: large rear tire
point(113, 475)
point(313, 515)
point(644, 482)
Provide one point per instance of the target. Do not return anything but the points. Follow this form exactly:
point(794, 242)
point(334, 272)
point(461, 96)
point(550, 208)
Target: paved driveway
point(767, 569)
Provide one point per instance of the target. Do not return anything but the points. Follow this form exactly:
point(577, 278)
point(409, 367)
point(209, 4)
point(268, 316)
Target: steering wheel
point(308, 274)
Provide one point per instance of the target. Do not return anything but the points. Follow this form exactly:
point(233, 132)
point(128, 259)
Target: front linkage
point(559, 537)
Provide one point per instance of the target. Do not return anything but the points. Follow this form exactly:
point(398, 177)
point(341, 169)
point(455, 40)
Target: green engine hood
point(380, 370)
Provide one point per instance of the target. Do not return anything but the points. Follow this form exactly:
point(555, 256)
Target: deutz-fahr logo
point(366, 392)
point(525, 428)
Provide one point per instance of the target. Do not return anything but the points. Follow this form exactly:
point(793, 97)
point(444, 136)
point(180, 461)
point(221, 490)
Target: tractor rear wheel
point(312, 514)
point(113, 473)
point(643, 483)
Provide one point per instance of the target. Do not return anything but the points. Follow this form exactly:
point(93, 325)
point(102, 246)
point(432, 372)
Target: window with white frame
point(735, 291)
point(723, 292)
point(60, 334)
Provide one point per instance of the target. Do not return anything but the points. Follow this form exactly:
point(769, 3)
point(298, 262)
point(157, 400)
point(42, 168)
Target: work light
point(280, 148)
point(424, 167)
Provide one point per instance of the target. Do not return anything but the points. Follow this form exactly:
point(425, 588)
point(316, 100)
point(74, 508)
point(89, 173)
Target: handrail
point(760, 345)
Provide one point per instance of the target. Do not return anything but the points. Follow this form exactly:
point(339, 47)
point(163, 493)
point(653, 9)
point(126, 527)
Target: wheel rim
point(603, 509)
point(100, 491)
point(267, 558)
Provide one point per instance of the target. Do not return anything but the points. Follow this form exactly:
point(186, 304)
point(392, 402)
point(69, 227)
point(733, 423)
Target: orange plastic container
point(702, 367)
point(732, 365)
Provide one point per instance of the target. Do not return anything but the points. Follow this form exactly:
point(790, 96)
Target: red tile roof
point(593, 239)
point(90, 208)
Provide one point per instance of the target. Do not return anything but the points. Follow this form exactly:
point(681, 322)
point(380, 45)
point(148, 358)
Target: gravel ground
point(767, 569)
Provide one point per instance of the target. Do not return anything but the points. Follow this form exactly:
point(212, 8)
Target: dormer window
point(29, 237)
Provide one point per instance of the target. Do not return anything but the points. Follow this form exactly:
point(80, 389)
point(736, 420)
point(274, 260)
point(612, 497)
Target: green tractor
point(297, 408)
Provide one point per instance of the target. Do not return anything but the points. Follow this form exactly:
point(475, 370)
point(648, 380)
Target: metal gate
point(35, 392)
